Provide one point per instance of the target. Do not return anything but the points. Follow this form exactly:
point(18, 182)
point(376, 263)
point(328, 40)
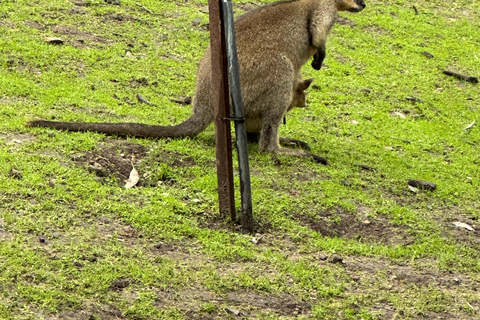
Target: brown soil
point(77, 37)
point(344, 224)
point(114, 160)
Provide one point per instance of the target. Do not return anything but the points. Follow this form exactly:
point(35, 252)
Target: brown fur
point(273, 43)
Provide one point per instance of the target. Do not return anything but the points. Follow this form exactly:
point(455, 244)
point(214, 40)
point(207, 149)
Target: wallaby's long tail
point(189, 128)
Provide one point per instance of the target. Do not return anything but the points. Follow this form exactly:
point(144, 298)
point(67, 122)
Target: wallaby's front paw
point(317, 61)
point(317, 65)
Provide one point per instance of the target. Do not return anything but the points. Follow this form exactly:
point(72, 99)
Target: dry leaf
point(470, 125)
point(234, 312)
point(133, 179)
point(463, 225)
point(257, 240)
point(53, 40)
point(413, 189)
point(142, 99)
point(396, 113)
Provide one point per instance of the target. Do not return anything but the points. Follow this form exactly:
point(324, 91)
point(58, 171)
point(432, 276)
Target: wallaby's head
point(350, 5)
point(299, 96)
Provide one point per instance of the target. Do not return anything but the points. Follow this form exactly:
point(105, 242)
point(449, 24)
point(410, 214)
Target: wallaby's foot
point(287, 142)
point(301, 153)
point(318, 159)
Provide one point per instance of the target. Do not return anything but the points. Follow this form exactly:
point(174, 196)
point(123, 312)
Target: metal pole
point(246, 218)
point(220, 99)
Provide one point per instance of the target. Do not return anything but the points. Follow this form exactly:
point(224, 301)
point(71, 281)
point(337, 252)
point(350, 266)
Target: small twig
point(367, 168)
point(469, 126)
point(461, 76)
point(144, 8)
point(469, 142)
point(427, 54)
point(416, 11)
point(414, 99)
point(142, 99)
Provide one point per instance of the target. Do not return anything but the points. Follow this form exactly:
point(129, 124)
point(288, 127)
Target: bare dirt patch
point(376, 29)
point(237, 303)
point(116, 160)
point(345, 22)
point(405, 279)
point(463, 234)
point(348, 225)
point(176, 159)
point(284, 304)
point(104, 312)
point(35, 25)
point(119, 157)
point(112, 17)
point(77, 37)
point(17, 138)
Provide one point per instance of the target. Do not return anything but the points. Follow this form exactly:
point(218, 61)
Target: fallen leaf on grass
point(470, 125)
point(142, 99)
point(132, 179)
point(234, 312)
point(53, 40)
point(257, 240)
point(413, 189)
point(398, 114)
point(463, 225)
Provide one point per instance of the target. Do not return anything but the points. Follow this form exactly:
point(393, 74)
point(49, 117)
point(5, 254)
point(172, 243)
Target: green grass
point(75, 244)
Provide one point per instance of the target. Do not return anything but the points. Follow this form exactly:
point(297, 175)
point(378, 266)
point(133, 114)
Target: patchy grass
point(347, 241)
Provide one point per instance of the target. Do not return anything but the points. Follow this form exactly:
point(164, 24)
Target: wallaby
point(273, 43)
point(299, 100)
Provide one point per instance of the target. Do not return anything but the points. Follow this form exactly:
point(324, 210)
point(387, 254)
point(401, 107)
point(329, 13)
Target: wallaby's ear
point(305, 84)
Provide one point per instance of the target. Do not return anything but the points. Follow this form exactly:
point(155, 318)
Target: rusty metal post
point(220, 99)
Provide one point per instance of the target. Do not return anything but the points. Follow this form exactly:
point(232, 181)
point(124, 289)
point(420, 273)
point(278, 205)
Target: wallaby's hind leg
point(269, 138)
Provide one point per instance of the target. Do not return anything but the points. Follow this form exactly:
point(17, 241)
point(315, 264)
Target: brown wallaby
point(273, 43)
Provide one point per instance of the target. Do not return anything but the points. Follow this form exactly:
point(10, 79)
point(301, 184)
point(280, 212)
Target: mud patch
point(403, 278)
point(348, 225)
point(113, 161)
point(90, 313)
point(17, 138)
point(345, 22)
point(375, 29)
point(106, 229)
point(284, 304)
point(404, 274)
point(174, 159)
point(76, 37)
point(116, 161)
point(109, 17)
point(238, 303)
point(35, 25)
point(463, 235)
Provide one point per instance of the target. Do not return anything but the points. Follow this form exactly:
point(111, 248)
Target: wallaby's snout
point(350, 5)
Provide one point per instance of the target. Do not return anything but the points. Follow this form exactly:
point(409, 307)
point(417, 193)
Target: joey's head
point(299, 96)
point(350, 5)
